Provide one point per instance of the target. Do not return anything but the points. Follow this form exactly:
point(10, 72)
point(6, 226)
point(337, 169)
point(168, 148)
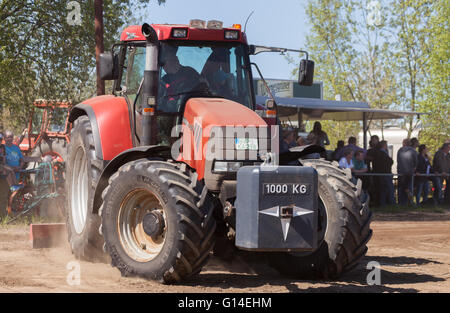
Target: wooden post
point(99, 47)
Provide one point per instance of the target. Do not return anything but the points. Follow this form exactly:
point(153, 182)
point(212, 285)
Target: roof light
point(237, 26)
point(213, 24)
point(197, 23)
point(231, 34)
point(179, 32)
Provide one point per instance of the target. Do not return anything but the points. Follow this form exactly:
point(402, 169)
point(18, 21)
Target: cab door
point(131, 80)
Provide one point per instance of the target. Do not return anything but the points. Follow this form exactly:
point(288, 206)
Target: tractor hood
point(204, 117)
point(210, 112)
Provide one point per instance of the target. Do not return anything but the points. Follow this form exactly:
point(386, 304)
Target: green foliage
point(350, 57)
point(42, 56)
point(436, 97)
point(400, 62)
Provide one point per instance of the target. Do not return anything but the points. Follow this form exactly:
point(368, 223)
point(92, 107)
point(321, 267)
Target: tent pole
point(365, 130)
point(300, 120)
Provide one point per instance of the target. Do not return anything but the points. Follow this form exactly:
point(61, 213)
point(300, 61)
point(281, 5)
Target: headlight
point(232, 34)
point(220, 166)
point(179, 32)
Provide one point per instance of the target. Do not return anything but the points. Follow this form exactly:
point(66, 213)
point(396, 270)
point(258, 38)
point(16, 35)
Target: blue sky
point(273, 23)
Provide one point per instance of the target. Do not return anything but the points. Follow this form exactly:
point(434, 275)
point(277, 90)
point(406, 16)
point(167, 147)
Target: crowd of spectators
point(415, 168)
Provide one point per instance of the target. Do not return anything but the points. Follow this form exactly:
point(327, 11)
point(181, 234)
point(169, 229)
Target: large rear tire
point(184, 234)
point(345, 224)
point(83, 170)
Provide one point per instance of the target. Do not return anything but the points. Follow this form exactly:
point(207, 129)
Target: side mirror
point(306, 73)
point(109, 66)
point(251, 49)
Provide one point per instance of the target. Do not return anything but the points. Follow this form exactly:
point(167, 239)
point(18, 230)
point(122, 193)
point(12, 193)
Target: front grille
point(221, 144)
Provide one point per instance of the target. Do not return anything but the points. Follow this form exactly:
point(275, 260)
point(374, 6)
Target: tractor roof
point(43, 103)
point(166, 32)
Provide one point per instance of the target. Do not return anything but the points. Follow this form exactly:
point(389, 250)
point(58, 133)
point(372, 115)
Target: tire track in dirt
point(414, 257)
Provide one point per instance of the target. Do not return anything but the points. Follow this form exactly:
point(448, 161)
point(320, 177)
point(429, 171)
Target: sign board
point(288, 89)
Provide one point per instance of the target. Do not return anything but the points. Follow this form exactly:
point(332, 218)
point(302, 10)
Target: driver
point(217, 72)
point(178, 79)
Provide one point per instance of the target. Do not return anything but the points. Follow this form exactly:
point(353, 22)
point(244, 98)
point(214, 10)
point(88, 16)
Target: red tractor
point(178, 161)
point(48, 130)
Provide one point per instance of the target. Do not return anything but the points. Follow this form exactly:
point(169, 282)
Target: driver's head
point(170, 62)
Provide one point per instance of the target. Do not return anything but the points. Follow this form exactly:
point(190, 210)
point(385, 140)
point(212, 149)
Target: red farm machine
point(44, 145)
point(48, 130)
point(178, 161)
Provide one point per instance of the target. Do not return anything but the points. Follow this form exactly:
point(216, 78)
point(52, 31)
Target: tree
point(435, 95)
point(47, 51)
point(350, 55)
point(409, 25)
point(399, 62)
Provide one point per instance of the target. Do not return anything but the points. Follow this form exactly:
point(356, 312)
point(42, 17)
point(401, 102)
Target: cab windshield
point(212, 70)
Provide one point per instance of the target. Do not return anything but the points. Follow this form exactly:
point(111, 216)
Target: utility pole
point(99, 47)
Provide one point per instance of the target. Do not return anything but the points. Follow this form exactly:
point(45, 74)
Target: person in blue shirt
point(13, 156)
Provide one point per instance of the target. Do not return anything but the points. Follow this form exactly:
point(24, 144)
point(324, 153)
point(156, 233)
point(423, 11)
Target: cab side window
point(135, 71)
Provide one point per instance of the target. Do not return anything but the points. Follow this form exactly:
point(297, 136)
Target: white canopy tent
point(318, 109)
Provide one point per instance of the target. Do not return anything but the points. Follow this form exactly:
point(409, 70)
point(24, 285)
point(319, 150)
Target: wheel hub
point(153, 223)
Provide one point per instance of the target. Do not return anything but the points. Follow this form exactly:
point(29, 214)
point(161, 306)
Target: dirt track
point(413, 250)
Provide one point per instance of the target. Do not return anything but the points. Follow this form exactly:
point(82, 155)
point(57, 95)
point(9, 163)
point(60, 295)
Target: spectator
point(288, 140)
point(312, 140)
point(321, 136)
point(440, 166)
point(338, 150)
point(370, 181)
point(406, 167)
point(370, 156)
point(414, 143)
point(359, 165)
point(2, 155)
point(301, 141)
point(383, 164)
point(373, 142)
point(423, 167)
point(352, 146)
point(347, 160)
point(13, 158)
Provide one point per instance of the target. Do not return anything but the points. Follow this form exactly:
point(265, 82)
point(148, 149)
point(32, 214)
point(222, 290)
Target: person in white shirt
point(347, 160)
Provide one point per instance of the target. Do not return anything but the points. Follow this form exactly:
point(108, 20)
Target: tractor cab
point(182, 61)
point(195, 60)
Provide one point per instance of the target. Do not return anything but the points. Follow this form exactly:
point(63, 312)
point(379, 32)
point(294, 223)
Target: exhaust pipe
point(149, 86)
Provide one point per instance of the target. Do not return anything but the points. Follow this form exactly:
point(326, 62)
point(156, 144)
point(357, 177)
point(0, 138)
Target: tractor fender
point(110, 122)
point(141, 152)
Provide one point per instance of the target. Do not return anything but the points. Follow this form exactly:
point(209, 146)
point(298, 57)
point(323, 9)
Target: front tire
point(83, 170)
point(171, 191)
point(346, 233)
